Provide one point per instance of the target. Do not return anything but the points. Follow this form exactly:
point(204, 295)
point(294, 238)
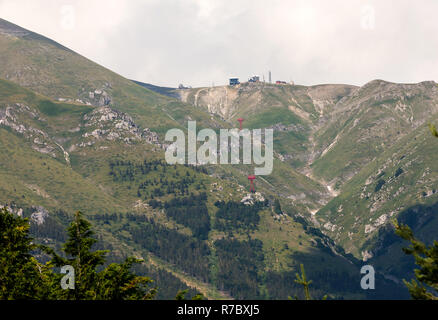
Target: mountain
point(41, 65)
point(369, 146)
point(75, 135)
point(44, 66)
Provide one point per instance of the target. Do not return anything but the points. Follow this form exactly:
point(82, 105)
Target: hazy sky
point(200, 42)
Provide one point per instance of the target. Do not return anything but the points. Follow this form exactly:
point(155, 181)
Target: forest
point(233, 216)
point(191, 212)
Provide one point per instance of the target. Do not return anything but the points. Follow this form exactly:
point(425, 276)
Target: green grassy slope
point(30, 177)
point(70, 143)
point(400, 177)
point(346, 139)
point(369, 122)
point(48, 68)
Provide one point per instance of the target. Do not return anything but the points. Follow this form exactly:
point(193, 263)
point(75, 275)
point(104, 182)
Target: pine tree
point(21, 275)
point(116, 281)
point(301, 279)
point(181, 295)
point(82, 259)
point(425, 286)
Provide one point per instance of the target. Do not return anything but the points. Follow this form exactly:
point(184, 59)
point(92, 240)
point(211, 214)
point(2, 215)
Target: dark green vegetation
point(425, 286)
point(191, 212)
point(189, 254)
point(239, 267)
point(237, 216)
point(23, 277)
point(76, 136)
point(156, 178)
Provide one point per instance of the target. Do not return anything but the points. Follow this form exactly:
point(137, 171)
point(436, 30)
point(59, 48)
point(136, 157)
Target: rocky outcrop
point(39, 215)
point(99, 97)
point(105, 123)
point(16, 116)
point(250, 198)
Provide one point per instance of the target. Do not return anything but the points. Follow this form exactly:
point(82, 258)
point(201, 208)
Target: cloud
point(200, 42)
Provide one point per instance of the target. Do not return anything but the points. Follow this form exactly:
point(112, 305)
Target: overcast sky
point(201, 42)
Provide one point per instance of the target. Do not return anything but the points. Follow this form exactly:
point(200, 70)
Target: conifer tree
point(181, 295)
point(425, 286)
point(21, 275)
point(302, 279)
point(81, 258)
point(116, 281)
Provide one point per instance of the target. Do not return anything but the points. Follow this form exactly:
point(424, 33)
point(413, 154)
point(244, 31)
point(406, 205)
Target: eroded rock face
point(39, 215)
point(105, 123)
point(99, 98)
point(250, 198)
point(101, 124)
point(15, 115)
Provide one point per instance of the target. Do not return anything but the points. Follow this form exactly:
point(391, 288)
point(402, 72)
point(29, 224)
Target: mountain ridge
point(63, 116)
